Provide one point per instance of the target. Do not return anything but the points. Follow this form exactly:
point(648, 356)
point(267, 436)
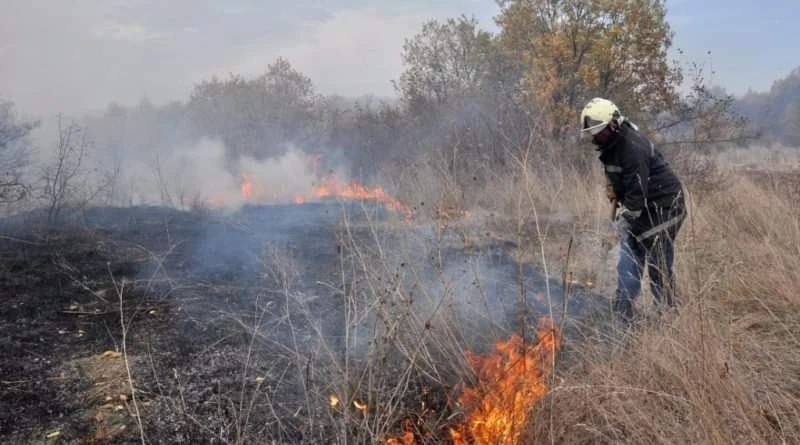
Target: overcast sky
point(78, 55)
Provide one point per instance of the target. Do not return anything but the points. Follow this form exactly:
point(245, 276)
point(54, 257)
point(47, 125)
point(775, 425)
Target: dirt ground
point(190, 292)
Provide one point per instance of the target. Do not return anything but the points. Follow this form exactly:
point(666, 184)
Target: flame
point(509, 382)
point(246, 187)
point(253, 189)
point(333, 400)
point(361, 406)
point(331, 186)
point(406, 439)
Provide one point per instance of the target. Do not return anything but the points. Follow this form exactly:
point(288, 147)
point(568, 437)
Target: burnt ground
point(233, 322)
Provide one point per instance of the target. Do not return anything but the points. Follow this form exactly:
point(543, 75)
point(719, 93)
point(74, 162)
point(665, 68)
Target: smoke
point(201, 174)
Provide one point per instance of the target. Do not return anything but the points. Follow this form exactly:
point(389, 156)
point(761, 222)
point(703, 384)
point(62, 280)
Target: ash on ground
point(243, 325)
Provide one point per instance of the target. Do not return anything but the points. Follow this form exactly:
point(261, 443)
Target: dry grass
point(723, 370)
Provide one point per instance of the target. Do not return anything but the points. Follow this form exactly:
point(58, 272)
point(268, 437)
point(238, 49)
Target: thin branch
point(120, 290)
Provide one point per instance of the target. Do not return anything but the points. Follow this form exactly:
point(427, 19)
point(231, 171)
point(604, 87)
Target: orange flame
point(329, 187)
point(406, 439)
point(332, 187)
point(246, 187)
point(255, 191)
point(361, 406)
point(509, 382)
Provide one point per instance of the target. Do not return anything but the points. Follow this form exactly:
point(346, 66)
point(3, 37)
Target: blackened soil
point(218, 314)
point(189, 288)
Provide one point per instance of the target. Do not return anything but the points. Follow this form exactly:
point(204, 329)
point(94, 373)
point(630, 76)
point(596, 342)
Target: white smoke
point(198, 174)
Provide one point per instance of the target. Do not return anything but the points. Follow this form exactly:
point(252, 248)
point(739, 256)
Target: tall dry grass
point(722, 370)
point(725, 368)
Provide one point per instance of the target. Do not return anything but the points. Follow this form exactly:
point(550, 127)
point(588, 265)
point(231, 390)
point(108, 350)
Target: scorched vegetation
point(261, 264)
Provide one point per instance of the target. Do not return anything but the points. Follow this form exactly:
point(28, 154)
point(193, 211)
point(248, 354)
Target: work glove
point(622, 223)
point(622, 227)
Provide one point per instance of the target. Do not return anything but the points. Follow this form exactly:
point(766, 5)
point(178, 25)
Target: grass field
point(148, 325)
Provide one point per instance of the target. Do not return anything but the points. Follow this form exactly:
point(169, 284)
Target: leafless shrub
point(703, 123)
point(14, 153)
point(59, 177)
point(68, 180)
point(388, 347)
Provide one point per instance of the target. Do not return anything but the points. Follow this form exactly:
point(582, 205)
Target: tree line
point(467, 99)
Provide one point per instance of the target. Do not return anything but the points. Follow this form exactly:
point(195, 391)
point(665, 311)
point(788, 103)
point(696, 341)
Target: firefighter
point(649, 205)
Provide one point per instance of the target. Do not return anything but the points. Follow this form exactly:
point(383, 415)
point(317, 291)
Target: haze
point(80, 55)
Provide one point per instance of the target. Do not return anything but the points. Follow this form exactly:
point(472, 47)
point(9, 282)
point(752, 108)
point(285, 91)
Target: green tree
point(257, 117)
point(444, 61)
point(576, 49)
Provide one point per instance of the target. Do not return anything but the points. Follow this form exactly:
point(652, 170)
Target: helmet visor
point(592, 126)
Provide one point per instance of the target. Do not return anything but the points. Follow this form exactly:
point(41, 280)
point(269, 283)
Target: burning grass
point(720, 371)
point(324, 186)
point(328, 186)
point(377, 350)
point(508, 382)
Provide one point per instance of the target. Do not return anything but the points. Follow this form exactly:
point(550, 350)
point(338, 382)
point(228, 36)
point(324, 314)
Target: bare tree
point(14, 151)
point(60, 176)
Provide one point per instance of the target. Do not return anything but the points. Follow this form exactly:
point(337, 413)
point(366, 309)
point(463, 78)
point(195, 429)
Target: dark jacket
point(642, 180)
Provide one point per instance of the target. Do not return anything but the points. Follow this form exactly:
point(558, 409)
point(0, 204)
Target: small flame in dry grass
point(329, 186)
point(246, 187)
point(333, 187)
point(361, 406)
point(406, 439)
point(509, 382)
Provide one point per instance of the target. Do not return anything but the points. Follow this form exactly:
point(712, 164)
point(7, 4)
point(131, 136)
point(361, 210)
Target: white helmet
point(598, 113)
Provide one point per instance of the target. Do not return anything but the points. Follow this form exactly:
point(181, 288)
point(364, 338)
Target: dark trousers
point(656, 253)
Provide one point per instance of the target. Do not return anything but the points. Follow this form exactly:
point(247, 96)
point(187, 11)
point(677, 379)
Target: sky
point(80, 55)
